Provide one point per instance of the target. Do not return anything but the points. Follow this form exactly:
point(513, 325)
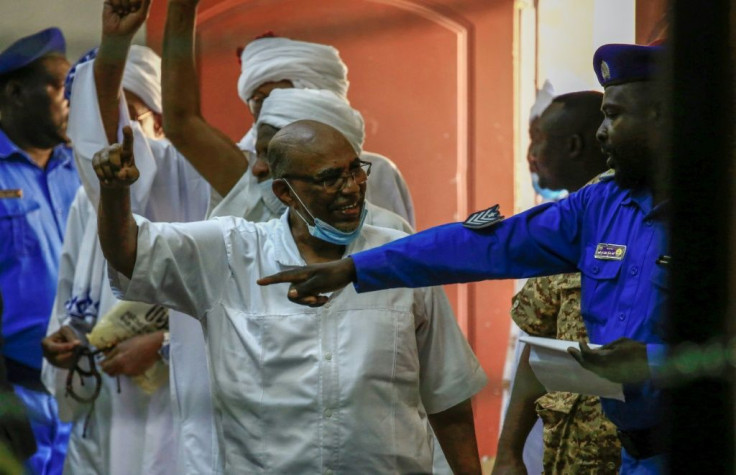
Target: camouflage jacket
point(578, 438)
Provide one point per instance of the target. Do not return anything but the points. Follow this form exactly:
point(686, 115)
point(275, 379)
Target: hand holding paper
point(558, 370)
point(621, 361)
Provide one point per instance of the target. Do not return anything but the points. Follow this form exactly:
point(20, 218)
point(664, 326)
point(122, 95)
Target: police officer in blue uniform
point(38, 181)
point(613, 232)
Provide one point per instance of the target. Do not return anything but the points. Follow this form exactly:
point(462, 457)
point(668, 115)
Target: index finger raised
point(126, 153)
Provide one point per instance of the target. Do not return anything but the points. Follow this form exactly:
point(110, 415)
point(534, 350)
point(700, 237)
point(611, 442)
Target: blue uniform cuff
point(656, 357)
point(363, 261)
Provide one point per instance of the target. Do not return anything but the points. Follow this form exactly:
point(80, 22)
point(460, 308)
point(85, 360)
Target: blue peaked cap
point(618, 64)
point(30, 48)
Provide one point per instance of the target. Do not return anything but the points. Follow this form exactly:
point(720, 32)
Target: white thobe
point(298, 389)
point(128, 432)
point(387, 188)
point(190, 382)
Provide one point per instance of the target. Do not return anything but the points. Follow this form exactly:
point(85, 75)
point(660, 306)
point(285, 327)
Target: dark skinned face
point(627, 133)
point(41, 106)
point(549, 146)
point(330, 155)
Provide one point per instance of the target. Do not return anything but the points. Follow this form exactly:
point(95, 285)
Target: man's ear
point(282, 191)
point(575, 146)
point(13, 92)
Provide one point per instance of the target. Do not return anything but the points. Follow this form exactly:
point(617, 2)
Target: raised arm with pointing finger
point(120, 426)
point(115, 167)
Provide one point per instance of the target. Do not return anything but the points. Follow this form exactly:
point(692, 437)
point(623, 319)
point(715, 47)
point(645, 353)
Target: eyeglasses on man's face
point(335, 183)
point(255, 102)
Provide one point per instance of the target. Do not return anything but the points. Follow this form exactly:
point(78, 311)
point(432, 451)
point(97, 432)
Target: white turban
point(284, 106)
point(306, 65)
point(543, 100)
point(142, 76)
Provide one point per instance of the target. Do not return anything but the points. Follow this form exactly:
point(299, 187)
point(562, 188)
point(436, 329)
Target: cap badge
point(605, 71)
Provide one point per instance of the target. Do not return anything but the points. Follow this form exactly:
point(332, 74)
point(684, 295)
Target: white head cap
point(142, 76)
point(543, 100)
point(284, 106)
point(306, 65)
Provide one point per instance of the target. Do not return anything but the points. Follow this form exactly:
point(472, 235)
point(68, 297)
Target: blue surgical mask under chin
point(327, 232)
point(272, 202)
point(547, 194)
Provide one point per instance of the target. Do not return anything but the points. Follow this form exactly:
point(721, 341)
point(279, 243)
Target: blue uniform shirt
point(624, 289)
point(31, 232)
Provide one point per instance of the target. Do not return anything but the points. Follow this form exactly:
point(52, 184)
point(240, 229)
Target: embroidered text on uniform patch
point(610, 252)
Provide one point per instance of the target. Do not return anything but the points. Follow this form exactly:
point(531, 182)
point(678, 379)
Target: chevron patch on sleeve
point(483, 219)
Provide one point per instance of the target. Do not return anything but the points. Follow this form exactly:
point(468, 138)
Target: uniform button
point(621, 317)
point(328, 413)
point(648, 222)
point(611, 465)
point(595, 269)
point(328, 356)
point(634, 270)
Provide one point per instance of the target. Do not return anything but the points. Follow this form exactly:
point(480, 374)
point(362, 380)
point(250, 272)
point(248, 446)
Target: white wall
point(569, 33)
point(80, 20)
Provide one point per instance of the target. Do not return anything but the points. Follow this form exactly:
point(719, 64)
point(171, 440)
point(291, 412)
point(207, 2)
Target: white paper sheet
point(557, 370)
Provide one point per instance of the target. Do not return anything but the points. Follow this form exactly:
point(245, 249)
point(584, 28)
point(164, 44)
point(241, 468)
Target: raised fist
point(124, 17)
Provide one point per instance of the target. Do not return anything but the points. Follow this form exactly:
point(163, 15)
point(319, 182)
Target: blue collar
point(644, 200)
point(8, 149)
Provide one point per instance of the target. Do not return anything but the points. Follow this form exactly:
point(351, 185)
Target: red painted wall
point(434, 82)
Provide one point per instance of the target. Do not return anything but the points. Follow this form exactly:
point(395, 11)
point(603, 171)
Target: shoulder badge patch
point(484, 219)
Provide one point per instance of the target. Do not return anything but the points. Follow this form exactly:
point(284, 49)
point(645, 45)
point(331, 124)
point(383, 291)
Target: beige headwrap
point(306, 65)
point(284, 106)
point(142, 76)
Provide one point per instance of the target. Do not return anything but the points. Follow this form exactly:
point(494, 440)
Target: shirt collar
point(287, 252)
point(7, 147)
point(60, 154)
point(644, 200)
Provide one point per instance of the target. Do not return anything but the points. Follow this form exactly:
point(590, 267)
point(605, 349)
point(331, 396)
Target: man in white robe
point(337, 389)
point(125, 431)
point(222, 163)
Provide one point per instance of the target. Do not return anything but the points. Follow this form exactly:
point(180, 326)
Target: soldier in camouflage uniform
point(578, 438)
